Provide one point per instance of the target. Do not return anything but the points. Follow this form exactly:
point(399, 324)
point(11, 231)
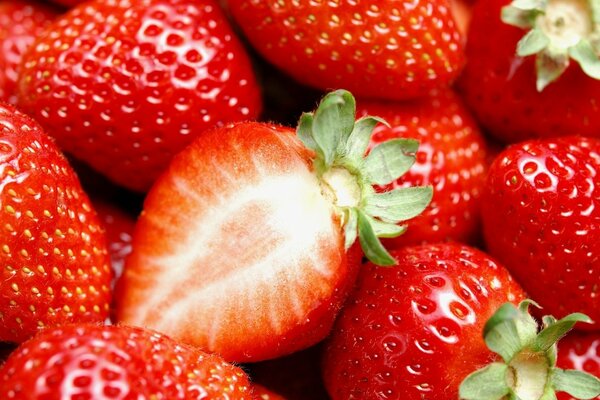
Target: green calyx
point(348, 174)
point(559, 31)
point(529, 369)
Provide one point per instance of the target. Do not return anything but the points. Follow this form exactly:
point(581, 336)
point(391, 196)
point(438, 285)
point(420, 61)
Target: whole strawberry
point(116, 362)
point(413, 331)
point(451, 157)
point(580, 351)
point(541, 218)
point(382, 49)
point(55, 265)
point(21, 21)
point(532, 69)
point(246, 245)
point(125, 84)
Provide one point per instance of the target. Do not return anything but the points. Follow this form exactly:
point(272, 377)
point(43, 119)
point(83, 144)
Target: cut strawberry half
point(245, 246)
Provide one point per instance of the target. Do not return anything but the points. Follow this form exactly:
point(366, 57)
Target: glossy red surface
point(541, 218)
point(124, 85)
point(414, 331)
point(579, 351)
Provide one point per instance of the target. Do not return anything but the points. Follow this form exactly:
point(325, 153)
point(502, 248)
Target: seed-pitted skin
point(54, 265)
point(125, 84)
point(414, 331)
point(117, 362)
point(384, 49)
point(451, 157)
point(541, 218)
point(579, 351)
point(21, 21)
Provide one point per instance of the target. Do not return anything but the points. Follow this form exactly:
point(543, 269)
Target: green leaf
point(359, 139)
point(549, 68)
point(333, 122)
point(586, 56)
point(488, 383)
point(533, 42)
point(370, 243)
point(516, 17)
point(304, 131)
point(578, 384)
point(351, 228)
point(386, 229)
point(553, 333)
point(390, 160)
point(398, 204)
point(530, 4)
point(509, 331)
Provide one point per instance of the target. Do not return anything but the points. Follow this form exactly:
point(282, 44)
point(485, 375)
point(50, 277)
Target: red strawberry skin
point(451, 157)
point(374, 49)
point(540, 217)
point(55, 264)
point(415, 331)
point(500, 88)
point(125, 84)
point(580, 351)
point(20, 23)
point(224, 253)
point(110, 362)
point(262, 393)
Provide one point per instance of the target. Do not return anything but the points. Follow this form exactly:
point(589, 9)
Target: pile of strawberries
point(429, 231)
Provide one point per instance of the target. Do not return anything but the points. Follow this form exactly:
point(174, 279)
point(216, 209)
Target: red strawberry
point(125, 84)
point(245, 245)
point(452, 157)
point(541, 218)
point(382, 49)
point(509, 97)
point(262, 393)
point(21, 21)
point(581, 352)
point(54, 262)
point(462, 12)
point(110, 362)
point(414, 331)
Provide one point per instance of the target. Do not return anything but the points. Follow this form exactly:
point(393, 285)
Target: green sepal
point(578, 384)
point(529, 5)
point(549, 68)
point(333, 122)
point(386, 229)
point(390, 160)
point(399, 204)
point(552, 333)
point(359, 139)
point(351, 228)
point(488, 383)
point(304, 132)
point(371, 244)
point(516, 17)
point(584, 54)
point(533, 42)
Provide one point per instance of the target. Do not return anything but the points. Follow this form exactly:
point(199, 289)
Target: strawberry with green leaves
point(54, 264)
point(533, 68)
point(541, 219)
point(383, 49)
point(246, 245)
point(124, 85)
point(110, 362)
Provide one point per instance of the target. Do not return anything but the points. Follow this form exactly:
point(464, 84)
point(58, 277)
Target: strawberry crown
point(529, 369)
point(559, 30)
point(347, 174)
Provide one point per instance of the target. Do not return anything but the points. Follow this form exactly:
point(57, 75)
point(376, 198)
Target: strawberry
point(527, 366)
point(414, 331)
point(110, 362)
point(55, 266)
point(245, 245)
point(581, 352)
point(21, 21)
point(125, 84)
point(452, 157)
point(381, 49)
point(536, 83)
point(262, 393)
point(541, 213)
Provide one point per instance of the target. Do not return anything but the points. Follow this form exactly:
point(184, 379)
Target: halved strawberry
point(245, 245)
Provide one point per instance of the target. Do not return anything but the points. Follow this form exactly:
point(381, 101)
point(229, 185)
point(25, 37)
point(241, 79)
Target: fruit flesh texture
point(252, 247)
point(374, 49)
point(55, 267)
point(580, 351)
point(451, 157)
point(93, 362)
point(124, 85)
point(540, 218)
point(500, 87)
point(415, 330)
